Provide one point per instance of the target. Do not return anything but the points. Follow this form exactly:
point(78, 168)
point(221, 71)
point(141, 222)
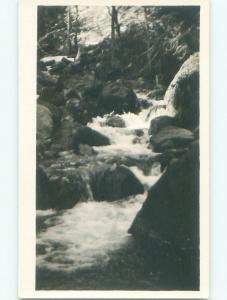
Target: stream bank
point(109, 185)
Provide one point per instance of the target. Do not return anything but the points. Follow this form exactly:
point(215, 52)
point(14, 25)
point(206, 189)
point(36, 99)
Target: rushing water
point(90, 233)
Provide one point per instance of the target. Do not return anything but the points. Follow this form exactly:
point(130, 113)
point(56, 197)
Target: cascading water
point(90, 233)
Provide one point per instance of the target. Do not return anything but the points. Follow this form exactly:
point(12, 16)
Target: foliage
point(173, 34)
point(148, 42)
point(57, 27)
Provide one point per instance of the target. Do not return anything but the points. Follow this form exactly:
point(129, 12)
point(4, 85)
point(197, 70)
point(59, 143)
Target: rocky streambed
point(117, 194)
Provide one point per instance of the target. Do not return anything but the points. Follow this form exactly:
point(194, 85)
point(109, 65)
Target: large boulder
point(92, 87)
point(171, 211)
point(84, 104)
point(63, 138)
point(115, 182)
point(87, 136)
point(160, 122)
point(57, 112)
point(77, 110)
point(119, 99)
point(45, 79)
point(115, 121)
point(182, 94)
point(45, 124)
point(167, 226)
point(171, 137)
point(58, 67)
point(86, 85)
point(52, 95)
point(59, 189)
point(94, 99)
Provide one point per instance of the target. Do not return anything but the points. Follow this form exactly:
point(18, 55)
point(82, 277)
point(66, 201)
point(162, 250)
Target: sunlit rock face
point(45, 123)
point(182, 95)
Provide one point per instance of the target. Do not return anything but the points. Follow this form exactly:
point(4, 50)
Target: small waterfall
point(91, 232)
point(86, 179)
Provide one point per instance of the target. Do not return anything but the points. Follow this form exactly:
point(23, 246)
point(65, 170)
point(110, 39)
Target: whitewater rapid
point(89, 234)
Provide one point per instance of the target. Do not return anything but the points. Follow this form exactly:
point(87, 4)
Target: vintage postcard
point(113, 149)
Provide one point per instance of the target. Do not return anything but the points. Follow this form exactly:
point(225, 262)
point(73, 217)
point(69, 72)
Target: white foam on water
point(151, 178)
point(122, 139)
point(87, 234)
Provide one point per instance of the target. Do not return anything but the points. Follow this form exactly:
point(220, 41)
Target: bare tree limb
point(49, 34)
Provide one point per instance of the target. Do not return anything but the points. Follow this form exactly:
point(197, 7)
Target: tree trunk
point(69, 29)
point(148, 38)
point(113, 36)
point(117, 25)
point(76, 33)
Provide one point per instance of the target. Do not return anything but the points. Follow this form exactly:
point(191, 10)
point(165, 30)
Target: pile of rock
point(169, 217)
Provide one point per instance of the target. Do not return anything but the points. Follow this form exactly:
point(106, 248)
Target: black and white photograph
point(118, 174)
